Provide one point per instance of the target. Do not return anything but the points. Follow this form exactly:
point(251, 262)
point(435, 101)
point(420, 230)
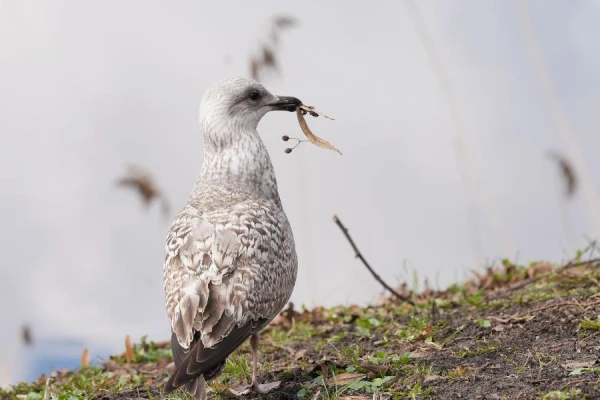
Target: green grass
point(393, 350)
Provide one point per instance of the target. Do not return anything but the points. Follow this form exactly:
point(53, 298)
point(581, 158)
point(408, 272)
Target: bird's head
point(240, 103)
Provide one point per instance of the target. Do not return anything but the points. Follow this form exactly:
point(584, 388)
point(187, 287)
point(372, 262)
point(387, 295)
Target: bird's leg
point(255, 386)
point(254, 344)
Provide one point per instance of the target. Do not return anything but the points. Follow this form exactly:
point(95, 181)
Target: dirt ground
point(510, 333)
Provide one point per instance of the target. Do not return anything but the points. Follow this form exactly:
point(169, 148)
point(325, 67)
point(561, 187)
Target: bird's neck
point(241, 163)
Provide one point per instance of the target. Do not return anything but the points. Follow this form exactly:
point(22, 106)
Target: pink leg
point(255, 385)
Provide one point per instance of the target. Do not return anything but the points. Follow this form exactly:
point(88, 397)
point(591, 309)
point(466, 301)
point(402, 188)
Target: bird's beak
point(285, 103)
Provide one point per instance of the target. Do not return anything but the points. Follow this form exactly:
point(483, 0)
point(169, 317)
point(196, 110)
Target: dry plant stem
point(467, 163)
point(359, 255)
point(47, 389)
point(534, 50)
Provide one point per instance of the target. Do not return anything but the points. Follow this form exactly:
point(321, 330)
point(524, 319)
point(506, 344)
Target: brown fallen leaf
point(85, 359)
point(511, 318)
point(570, 366)
point(129, 354)
point(344, 379)
point(317, 141)
point(299, 355)
point(324, 369)
point(431, 378)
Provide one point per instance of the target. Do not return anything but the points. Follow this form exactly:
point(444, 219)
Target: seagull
point(230, 263)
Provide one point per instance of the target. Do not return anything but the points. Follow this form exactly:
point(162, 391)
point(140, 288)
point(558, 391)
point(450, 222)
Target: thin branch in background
point(140, 180)
point(588, 188)
point(463, 148)
point(266, 58)
point(359, 255)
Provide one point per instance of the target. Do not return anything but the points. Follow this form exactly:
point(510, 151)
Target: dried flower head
point(266, 59)
point(140, 180)
point(314, 139)
point(567, 172)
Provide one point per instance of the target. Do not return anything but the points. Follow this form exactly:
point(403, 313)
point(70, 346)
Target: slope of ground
point(512, 333)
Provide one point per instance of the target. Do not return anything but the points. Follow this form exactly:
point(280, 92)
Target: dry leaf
point(344, 379)
point(267, 57)
point(311, 136)
point(568, 173)
point(570, 366)
point(129, 354)
point(85, 359)
point(144, 183)
point(511, 318)
point(299, 354)
point(311, 110)
point(324, 369)
point(431, 378)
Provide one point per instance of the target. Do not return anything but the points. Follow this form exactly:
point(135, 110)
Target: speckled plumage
point(230, 263)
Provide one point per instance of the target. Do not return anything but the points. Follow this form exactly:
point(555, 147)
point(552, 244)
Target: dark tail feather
point(196, 387)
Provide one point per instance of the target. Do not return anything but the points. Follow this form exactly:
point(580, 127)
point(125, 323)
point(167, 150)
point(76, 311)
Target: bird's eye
point(254, 95)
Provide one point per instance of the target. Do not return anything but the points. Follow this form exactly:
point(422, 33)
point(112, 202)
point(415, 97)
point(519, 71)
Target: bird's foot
point(255, 388)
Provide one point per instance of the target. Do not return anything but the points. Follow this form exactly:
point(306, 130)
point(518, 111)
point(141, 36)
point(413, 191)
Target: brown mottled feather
point(230, 263)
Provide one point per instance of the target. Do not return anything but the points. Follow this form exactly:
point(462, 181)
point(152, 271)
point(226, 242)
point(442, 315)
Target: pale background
point(87, 87)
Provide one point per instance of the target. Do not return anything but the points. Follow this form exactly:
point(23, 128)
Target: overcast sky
point(87, 87)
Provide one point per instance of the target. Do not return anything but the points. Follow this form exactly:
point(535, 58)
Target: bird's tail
point(196, 387)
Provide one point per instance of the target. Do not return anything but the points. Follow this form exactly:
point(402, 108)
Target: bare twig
point(359, 255)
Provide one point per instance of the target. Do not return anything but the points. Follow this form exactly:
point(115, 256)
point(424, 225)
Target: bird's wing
point(207, 278)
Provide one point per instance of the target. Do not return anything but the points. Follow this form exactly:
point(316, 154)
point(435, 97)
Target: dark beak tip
point(287, 103)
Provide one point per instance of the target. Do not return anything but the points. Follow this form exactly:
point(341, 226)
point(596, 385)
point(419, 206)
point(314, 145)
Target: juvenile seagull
point(230, 264)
